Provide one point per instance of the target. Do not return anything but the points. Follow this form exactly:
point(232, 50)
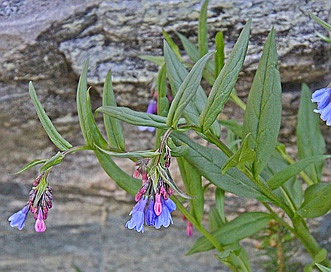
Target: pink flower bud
point(158, 205)
point(40, 225)
point(189, 229)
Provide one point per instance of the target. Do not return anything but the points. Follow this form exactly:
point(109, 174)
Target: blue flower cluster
point(323, 98)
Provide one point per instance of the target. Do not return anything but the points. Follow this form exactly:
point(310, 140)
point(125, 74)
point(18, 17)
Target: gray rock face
point(48, 42)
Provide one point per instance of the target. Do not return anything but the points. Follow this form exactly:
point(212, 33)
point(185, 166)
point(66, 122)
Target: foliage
point(251, 164)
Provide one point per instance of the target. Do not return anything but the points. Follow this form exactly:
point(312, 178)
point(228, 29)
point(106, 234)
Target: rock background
point(48, 41)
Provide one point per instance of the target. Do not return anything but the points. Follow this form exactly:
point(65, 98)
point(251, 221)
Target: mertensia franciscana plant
point(251, 163)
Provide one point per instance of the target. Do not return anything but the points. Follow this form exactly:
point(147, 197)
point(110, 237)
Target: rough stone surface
point(48, 42)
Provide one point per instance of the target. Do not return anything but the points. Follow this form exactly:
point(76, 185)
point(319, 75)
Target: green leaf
point(323, 268)
point(91, 132)
point(290, 171)
point(51, 131)
point(159, 60)
point(30, 165)
point(323, 37)
point(202, 30)
point(113, 127)
point(215, 220)
point(264, 106)
point(177, 73)
point(317, 200)
point(186, 91)
point(193, 186)
point(219, 56)
point(208, 162)
point(191, 50)
point(241, 157)
point(56, 159)
point(41, 188)
point(239, 228)
point(220, 200)
point(320, 22)
point(131, 155)
point(135, 117)
point(310, 140)
point(171, 43)
point(225, 81)
point(93, 137)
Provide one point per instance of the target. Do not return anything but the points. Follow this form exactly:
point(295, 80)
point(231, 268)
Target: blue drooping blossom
point(164, 219)
point(138, 215)
point(18, 218)
point(323, 99)
point(39, 204)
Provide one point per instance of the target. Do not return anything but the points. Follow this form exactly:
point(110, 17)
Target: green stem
point(303, 234)
point(238, 101)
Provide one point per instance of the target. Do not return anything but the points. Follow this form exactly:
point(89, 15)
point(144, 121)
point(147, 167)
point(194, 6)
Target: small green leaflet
point(30, 165)
point(202, 30)
point(130, 155)
point(51, 131)
point(317, 200)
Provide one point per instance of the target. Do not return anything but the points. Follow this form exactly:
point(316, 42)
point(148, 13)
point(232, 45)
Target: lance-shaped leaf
point(239, 228)
point(241, 157)
point(310, 140)
point(186, 91)
point(202, 29)
point(193, 185)
point(290, 171)
point(219, 56)
point(51, 131)
point(264, 106)
point(113, 126)
point(317, 200)
point(93, 137)
point(321, 22)
point(208, 162)
point(176, 73)
point(56, 159)
point(30, 165)
point(225, 81)
point(131, 155)
point(135, 117)
point(91, 132)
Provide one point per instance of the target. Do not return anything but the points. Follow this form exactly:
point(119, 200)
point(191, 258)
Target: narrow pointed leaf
point(171, 43)
point(208, 162)
point(239, 228)
point(93, 137)
point(225, 81)
point(264, 106)
point(136, 118)
point(113, 126)
point(321, 22)
point(91, 132)
point(155, 59)
point(241, 157)
point(219, 56)
point(186, 91)
point(202, 30)
point(310, 140)
point(323, 268)
point(292, 170)
point(56, 159)
point(131, 155)
point(317, 200)
point(51, 131)
point(30, 165)
point(176, 73)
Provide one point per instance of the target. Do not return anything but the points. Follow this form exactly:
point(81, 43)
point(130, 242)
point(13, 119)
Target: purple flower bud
point(18, 218)
point(150, 215)
point(40, 225)
point(158, 204)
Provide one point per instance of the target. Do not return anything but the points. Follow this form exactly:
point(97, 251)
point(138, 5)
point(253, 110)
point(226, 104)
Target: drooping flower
point(138, 215)
point(18, 218)
point(323, 99)
point(39, 203)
